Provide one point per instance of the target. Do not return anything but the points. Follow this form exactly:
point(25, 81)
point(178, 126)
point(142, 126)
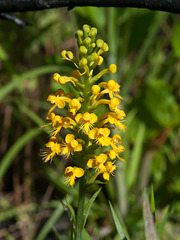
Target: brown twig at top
point(21, 23)
point(36, 5)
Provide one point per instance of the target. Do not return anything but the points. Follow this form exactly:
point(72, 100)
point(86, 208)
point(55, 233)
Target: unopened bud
point(105, 47)
point(95, 89)
point(86, 28)
point(87, 41)
point(79, 33)
point(63, 54)
point(56, 77)
point(83, 50)
point(94, 56)
point(99, 43)
point(83, 62)
point(112, 68)
point(70, 55)
point(93, 32)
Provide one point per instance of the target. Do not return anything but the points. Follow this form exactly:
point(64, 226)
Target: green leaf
point(150, 230)
point(117, 223)
point(153, 208)
point(50, 222)
point(71, 210)
point(56, 233)
point(163, 222)
point(17, 81)
point(89, 204)
point(85, 235)
point(135, 156)
point(15, 148)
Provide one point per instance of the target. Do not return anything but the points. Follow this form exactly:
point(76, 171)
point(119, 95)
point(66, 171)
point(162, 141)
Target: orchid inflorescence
point(86, 129)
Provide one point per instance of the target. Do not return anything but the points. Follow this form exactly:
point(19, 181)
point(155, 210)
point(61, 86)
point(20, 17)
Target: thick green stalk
point(80, 210)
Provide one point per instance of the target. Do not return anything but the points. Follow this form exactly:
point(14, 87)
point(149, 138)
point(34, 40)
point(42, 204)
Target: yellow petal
point(106, 176)
point(78, 172)
point(92, 133)
point(69, 138)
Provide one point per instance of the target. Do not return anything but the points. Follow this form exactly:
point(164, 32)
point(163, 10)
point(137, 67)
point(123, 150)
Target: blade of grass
point(15, 148)
point(135, 156)
point(117, 223)
point(153, 207)
point(17, 80)
point(86, 235)
point(56, 233)
point(50, 222)
point(71, 210)
point(150, 230)
point(89, 204)
point(163, 222)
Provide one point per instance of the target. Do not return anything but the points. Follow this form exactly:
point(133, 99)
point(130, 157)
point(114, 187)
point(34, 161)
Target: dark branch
point(21, 23)
point(35, 5)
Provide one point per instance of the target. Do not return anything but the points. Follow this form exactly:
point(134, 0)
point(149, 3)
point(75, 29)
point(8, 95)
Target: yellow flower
point(70, 145)
point(59, 99)
point(100, 135)
point(64, 79)
point(113, 118)
point(74, 105)
point(112, 69)
point(86, 120)
point(110, 87)
point(54, 147)
point(114, 103)
point(97, 160)
point(95, 89)
point(113, 154)
point(80, 118)
point(71, 173)
point(58, 122)
point(116, 139)
point(107, 169)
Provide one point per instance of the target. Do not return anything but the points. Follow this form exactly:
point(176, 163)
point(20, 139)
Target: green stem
point(80, 210)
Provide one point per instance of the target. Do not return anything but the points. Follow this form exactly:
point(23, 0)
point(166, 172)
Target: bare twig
point(35, 5)
point(21, 23)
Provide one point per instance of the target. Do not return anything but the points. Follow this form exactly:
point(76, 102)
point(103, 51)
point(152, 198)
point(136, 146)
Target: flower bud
point(105, 47)
point(93, 32)
point(94, 57)
point(83, 50)
point(70, 55)
point(63, 54)
point(99, 43)
point(79, 33)
point(112, 68)
point(93, 45)
point(56, 77)
point(83, 62)
point(87, 41)
point(86, 28)
point(95, 89)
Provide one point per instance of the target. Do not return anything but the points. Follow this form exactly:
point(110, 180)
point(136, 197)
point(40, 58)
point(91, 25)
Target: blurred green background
point(145, 47)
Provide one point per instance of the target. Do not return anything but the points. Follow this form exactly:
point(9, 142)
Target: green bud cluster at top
point(89, 49)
